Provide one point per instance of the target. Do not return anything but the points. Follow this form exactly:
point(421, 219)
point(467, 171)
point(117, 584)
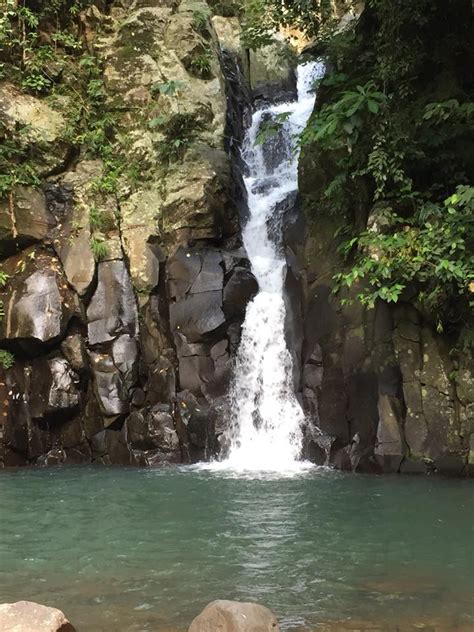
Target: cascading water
point(267, 420)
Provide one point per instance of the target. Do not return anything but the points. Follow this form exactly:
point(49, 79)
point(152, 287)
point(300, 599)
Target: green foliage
point(431, 250)
point(263, 18)
point(201, 64)
point(38, 44)
point(3, 281)
point(339, 124)
point(15, 168)
point(201, 19)
point(99, 247)
point(3, 278)
point(168, 88)
point(97, 219)
point(7, 359)
point(258, 26)
point(178, 132)
point(394, 132)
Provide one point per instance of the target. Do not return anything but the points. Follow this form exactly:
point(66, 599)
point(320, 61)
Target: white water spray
point(267, 419)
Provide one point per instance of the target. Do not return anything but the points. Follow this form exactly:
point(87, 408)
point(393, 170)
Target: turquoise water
point(133, 549)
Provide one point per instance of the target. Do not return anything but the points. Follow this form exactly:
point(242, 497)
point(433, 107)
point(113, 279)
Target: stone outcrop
point(124, 356)
point(235, 616)
point(380, 388)
point(27, 616)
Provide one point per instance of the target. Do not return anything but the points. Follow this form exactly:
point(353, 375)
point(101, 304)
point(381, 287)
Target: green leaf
point(373, 106)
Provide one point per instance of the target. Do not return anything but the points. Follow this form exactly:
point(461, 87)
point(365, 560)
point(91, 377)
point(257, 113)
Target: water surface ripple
point(130, 549)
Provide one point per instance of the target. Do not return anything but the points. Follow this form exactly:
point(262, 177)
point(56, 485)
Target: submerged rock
point(28, 616)
point(234, 616)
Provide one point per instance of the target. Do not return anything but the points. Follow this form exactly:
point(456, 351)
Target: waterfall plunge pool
point(132, 549)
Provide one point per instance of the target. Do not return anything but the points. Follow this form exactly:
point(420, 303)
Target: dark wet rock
point(69, 433)
point(182, 270)
point(235, 616)
point(211, 274)
point(293, 297)
point(42, 403)
point(74, 350)
point(218, 386)
point(197, 314)
point(451, 464)
point(194, 272)
point(194, 371)
point(80, 454)
point(161, 383)
point(109, 447)
point(24, 219)
point(194, 426)
point(56, 456)
point(187, 349)
point(115, 375)
point(239, 290)
point(152, 429)
point(112, 310)
point(53, 387)
point(410, 466)
point(43, 388)
point(38, 304)
point(28, 616)
point(389, 448)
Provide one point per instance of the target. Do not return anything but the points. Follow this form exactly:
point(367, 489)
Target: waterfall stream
point(266, 418)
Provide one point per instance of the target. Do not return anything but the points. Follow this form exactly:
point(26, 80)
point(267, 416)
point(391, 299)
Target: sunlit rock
point(28, 616)
point(235, 616)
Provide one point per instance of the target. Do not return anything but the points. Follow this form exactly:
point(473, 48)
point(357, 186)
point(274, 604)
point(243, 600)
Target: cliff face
point(124, 282)
point(386, 389)
point(127, 285)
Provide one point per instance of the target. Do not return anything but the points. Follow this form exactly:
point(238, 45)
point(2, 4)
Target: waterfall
point(266, 418)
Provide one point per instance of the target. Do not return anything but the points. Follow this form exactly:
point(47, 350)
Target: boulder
point(24, 219)
point(153, 429)
point(271, 76)
point(234, 616)
point(74, 350)
point(197, 204)
point(109, 447)
point(239, 290)
point(115, 375)
point(112, 310)
point(72, 243)
point(37, 301)
point(197, 314)
point(182, 270)
point(28, 616)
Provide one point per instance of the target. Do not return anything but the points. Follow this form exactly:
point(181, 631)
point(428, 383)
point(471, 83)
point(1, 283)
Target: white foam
point(267, 420)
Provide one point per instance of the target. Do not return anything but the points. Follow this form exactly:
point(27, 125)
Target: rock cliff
point(386, 389)
point(126, 292)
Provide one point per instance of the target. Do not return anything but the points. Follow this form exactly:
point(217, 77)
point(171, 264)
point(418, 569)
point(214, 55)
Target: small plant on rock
point(201, 64)
point(99, 247)
point(201, 19)
point(7, 359)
